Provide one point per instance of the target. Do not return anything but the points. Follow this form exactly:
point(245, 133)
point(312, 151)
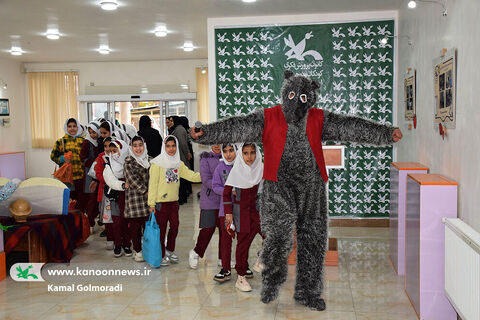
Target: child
point(71, 141)
point(88, 154)
point(245, 177)
point(99, 167)
point(136, 169)
point(165, 173)
point(218, 183)
point(114, 178)
point(209, 205)
point(108, 129)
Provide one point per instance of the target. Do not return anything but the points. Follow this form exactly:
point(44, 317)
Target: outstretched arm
point(245, 128)
point(339, 127)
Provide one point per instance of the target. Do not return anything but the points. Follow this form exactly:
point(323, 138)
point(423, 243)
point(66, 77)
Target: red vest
point(275, 136)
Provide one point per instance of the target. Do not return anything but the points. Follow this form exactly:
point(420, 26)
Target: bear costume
point(294, 188)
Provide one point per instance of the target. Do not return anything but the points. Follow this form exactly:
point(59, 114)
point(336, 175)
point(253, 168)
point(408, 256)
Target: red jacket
point(275, 136)
point(99, 173)
point(243, 208)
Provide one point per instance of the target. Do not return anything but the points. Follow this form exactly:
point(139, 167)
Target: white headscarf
point(95, 126)
point(79, 130)
point(118, 160)
point(155, 124)
point(130, 130)
point(223, 157)
point(143, 158)
point(245, 176)
point(165, 160)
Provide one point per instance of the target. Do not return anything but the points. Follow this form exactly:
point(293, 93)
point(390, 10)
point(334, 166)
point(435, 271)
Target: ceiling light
point(412, 4)
point(188, 46)
point(144, 90)
point(52, 34)
point(4, 84)
point(109, 5)
point(184, 86)
point(204, 70)
point(161, 31)
point(104, 49)
point(248, 1)
point(16, 51)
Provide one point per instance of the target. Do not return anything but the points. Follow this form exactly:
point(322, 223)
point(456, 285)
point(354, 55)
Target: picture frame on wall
point(410, 90)
point(4, 108)
point(445, 89)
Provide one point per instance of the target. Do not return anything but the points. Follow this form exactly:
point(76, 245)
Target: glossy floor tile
point(364, 286)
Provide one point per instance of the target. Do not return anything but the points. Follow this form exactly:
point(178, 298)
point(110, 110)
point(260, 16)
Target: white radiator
point(462, 268)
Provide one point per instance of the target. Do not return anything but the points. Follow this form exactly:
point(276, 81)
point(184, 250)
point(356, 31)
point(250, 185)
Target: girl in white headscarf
point(243, 182)
point(165, 172)
point(71, 141)
point(137, 165)
point(88, 154)
point(115, 191)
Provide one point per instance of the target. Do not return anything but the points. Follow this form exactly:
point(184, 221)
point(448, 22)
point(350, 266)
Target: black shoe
point(249, 274)
point(128, 252)
point(103, 234)
point(117, 252)
point(223, 276)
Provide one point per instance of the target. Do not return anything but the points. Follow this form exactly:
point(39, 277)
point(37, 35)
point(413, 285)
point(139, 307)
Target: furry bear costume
point(298, 197)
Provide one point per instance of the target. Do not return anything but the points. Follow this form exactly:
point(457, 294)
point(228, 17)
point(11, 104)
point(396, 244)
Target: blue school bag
point(152, 249)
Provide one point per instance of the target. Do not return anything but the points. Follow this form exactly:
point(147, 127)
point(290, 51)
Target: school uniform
point(163, 192)
point(88, 154)
point(218, 184)
point(136, 196)
point(245, 179)
point(209, 204)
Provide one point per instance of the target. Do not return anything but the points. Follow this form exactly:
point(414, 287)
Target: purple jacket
point(219, 178)
point(208, 162)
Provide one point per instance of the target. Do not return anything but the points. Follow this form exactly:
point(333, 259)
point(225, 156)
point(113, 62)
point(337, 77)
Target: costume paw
point(267, 294)
point(315, 302)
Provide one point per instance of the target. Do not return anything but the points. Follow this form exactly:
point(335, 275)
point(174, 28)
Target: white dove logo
point(297, 51)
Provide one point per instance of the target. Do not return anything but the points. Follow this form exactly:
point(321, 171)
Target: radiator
point(462, 268)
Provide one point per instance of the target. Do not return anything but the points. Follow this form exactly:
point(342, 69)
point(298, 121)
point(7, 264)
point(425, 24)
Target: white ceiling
point(129, 28)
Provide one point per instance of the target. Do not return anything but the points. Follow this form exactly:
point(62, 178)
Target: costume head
point(298, 95)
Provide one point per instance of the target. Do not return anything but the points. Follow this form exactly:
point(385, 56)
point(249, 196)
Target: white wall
point(135, 73)
point(458, 155)
point(14, 138)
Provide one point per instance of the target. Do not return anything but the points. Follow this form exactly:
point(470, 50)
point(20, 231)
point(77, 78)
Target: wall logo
point(297, 51)
point(26, 272)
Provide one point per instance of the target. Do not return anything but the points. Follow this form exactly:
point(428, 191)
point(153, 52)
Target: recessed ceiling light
point(161, 31)
point(188, 46)
point(144, 90)
point(16, 51)
point(248, 1)
point(109, 5)
point(52, 34)
point(412, 4)
point(184, 86)
point(104, 49)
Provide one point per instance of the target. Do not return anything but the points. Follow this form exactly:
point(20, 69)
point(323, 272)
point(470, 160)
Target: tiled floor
point(363, 287)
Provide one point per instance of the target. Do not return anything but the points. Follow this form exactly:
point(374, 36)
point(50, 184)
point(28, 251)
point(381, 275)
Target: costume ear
point(287, 74)
point(315, 84)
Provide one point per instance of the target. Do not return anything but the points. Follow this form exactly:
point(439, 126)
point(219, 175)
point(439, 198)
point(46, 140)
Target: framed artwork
point(445, 82)
point(4, 108)
point(410, 89)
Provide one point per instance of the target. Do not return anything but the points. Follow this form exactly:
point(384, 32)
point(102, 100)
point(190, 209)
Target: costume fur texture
point(298, 199)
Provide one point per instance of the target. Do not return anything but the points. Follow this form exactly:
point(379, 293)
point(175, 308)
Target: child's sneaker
point(117, 252)
point(165, 262)
point(109, 245)
point(242, 284)
point(258, 266)
point(172, 256)
point(223, 276)
point(138, 256)
point(193, 259)
point(103, 234)
point(248, 274)
point(128, 252)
